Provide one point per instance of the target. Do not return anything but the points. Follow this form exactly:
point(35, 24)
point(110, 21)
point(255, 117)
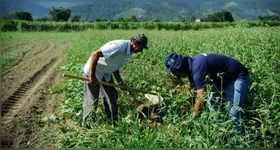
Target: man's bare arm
point(118, 76)
point(93, 62)
point(200, 98)
point(119, 80)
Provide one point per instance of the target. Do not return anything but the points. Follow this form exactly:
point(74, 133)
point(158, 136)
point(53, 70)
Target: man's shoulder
point(115, 45)
point(119, 42)
point(200, 59)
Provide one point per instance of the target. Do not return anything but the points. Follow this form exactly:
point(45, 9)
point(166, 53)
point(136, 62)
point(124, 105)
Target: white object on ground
point(154, 99)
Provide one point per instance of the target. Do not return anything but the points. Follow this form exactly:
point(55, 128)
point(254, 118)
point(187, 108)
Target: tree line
point(272, 18)
point(60, 14)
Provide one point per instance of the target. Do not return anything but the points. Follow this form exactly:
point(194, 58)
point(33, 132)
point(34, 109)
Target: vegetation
point(12, 51)
point(8, 25)
point(147, 71)
point(5, 61)
point(76, 18)
point(44, 19)
point(257, 48)
point(149, 10)
point(175, 10)
point(221, 16)
point(254, 43)
point(131, 18)
point(272, 18)
point(21, 15)
point(60, 14)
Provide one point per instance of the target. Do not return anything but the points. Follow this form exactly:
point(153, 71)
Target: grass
point(11, 50)
point(257, 48)
point(9, 59)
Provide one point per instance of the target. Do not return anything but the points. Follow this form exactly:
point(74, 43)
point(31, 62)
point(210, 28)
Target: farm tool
point(152, 96)
point(148, 110)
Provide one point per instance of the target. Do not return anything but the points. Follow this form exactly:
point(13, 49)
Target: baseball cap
point(142, 39)
point(174, 61)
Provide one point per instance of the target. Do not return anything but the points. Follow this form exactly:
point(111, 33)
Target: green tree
point(76, 18)
point(182, 20)
point(60, 14)
point(8, 17)
point(120, 19)
point(131, 18)
point(272, 18)
point(221, 16)
point(101, 20)
point(21, 15)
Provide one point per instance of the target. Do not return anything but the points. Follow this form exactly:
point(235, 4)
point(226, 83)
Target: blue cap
point(174, 61)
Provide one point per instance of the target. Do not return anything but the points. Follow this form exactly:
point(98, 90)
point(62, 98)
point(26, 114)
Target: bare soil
point(23, 102)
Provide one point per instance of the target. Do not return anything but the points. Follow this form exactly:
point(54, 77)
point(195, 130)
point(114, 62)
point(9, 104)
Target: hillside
point(8, 7)
point(148, 10)
point(138, 12)
point(176, 10)
point(48, 4)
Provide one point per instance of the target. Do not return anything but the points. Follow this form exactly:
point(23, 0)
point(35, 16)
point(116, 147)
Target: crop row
point(10, 25)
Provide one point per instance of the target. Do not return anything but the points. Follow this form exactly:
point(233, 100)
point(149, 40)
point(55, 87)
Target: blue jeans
point(235, 93)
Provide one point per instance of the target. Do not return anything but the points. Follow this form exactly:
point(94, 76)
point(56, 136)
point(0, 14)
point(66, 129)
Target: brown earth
point(23, 102)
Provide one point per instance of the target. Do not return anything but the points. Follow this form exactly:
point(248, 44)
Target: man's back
point(115, 54)
point(212, 64)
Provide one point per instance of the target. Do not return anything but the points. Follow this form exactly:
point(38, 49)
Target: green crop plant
point(256, 47)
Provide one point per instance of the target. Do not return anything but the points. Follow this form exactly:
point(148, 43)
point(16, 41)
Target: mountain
point(165, 10)
point(37, 9)
point(138, 12)
point(48, 4)
point(8, 7)
point(176, 9)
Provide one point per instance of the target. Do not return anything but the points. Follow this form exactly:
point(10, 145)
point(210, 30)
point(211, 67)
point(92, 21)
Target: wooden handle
point(109, 84)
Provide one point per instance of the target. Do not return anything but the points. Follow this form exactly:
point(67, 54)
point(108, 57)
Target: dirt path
point(21, 92)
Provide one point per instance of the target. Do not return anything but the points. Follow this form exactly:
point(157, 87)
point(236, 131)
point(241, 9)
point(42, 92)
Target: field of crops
point(258, 48)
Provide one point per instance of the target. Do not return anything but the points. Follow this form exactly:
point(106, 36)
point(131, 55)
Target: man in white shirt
point(100, 66)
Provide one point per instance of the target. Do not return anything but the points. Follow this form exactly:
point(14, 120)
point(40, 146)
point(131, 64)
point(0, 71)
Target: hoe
point(145, 110)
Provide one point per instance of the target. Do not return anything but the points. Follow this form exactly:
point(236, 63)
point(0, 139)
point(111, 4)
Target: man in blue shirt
point(222, 72)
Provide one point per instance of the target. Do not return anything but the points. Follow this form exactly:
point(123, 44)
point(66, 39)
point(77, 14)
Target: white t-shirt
point(115, 53)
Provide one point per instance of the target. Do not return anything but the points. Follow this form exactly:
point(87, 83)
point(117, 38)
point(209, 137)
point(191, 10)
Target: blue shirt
point(211, 65)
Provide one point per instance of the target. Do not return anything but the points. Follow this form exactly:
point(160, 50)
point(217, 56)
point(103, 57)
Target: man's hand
point(199, 102)
point(93, 80)
point(119, 80)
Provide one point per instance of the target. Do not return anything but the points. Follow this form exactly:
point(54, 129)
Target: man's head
point(138, 43)
point(177, 65)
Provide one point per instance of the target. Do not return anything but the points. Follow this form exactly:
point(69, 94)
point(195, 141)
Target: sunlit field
point(257, 48)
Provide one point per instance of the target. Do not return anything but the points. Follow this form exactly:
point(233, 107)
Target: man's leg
point(110, 97)
point(236, 93)
point(91, 94)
